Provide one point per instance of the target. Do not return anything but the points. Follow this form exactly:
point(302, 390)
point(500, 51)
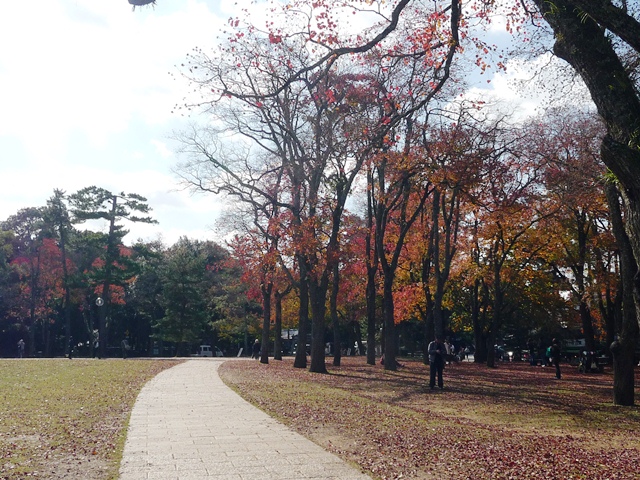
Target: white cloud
point(162, 149)
point(87, 97)
point(528, 87)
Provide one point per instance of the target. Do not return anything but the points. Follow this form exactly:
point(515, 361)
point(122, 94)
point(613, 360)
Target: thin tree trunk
point(266, 321)
point(277, 342)
point(371, 316)
point(333, 302)
point(390, 340)
point(303, 321)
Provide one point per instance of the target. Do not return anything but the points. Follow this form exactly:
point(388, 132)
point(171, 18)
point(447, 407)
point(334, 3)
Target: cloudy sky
point(87, 97)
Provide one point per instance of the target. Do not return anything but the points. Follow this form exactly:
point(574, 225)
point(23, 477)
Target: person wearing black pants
point(436, 362)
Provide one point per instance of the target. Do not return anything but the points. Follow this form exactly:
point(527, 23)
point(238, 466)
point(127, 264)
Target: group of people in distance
point(439, 351)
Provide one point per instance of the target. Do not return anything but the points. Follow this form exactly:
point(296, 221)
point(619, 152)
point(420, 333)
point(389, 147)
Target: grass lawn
point(67, 419)
point(511, 422)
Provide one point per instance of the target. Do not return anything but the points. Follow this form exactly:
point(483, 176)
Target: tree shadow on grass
point(518, 387)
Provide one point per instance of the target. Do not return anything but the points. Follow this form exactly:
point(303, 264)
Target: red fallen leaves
point(515, 421)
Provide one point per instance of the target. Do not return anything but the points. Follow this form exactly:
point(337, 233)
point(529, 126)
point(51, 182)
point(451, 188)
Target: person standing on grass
point(21, 348)
point(125, 347)
point(437, 353)
point(555, 356)
point(255, 350)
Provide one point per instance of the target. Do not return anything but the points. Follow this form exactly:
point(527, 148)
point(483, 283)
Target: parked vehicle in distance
point(208, 351)
point(508, 354)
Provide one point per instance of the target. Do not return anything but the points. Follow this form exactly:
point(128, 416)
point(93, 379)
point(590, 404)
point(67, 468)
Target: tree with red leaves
point(28, 228)
point(41, 287)
point(315, 136)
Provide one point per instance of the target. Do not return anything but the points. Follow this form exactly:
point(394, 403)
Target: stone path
point(187, 424)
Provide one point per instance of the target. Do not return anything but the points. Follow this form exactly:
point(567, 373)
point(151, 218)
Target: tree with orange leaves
point(503, 238)
point(568, 144)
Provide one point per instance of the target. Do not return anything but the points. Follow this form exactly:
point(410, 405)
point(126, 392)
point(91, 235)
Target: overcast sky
point(86, 98)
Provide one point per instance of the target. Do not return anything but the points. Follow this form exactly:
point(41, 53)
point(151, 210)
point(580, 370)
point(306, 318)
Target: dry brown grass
point(512, 422)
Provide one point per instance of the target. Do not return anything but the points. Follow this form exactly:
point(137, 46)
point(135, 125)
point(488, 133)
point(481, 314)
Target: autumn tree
point(568, 146)
point(347, 300)
point(27, 227)
point(401, 193)
point(458, 150)
point(249, 77)
point(502, 228)
point(41, 287)
point(255, 247)
point(601, 41)
point(304, 132)
point(94, 203)
point(58, 218)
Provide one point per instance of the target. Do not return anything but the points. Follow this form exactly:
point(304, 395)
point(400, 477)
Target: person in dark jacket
point(437, 353)
point(255, 350)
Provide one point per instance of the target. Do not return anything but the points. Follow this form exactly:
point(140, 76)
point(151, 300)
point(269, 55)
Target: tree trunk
point(496, 316)
point(428, 334)
point(371, 317)
point(266, 321)
point(491, 351)
point(303, 321)
point(106, 286)
point(318, 296)
point(480, 353)
point(623, 348)
point(333, 302)
point(587, 325)
point(390, 341)
point(372, 270)
point(277, 342)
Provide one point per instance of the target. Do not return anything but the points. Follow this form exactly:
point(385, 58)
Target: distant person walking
point(555, 356)
point(255, 349)
point(437, 353)
point(21, 348)
point(125, 347)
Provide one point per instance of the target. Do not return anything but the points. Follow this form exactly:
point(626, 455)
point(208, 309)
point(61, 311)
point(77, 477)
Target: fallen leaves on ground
point(510, 422)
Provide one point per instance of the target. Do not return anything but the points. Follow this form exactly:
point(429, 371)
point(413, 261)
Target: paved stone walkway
point(187, 424)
